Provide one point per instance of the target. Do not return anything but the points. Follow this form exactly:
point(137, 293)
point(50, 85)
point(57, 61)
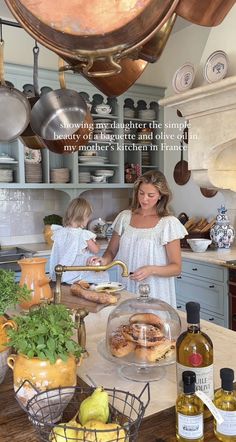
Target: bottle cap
point(193, 312)
point(227, 378)
point(189, 380)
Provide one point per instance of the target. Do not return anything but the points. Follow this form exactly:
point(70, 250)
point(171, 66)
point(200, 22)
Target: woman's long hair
point(158, 180)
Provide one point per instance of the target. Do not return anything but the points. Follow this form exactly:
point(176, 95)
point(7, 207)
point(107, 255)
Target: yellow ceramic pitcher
point(34, 276)
point(4, 323)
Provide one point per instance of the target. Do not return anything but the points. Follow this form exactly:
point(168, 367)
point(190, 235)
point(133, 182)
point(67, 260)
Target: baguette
point(91, 295)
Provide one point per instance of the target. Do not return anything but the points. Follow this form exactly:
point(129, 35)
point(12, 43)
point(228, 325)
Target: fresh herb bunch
point(52, 219)
point(45, 333)
point(11, 293)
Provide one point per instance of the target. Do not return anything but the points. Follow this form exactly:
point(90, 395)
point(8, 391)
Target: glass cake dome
point(141, 336)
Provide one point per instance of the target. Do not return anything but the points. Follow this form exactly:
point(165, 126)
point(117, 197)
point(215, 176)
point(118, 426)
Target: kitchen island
point(159, 422)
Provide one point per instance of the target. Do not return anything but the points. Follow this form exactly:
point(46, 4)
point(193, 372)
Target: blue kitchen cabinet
point(207, 284)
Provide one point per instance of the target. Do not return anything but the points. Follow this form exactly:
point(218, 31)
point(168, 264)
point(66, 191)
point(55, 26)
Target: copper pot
point(82, 30)
point(153, 49)
point(116, 84)
point(204, 12)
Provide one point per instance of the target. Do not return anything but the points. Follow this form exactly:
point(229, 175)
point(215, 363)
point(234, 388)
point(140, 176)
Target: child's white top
point(70, 249)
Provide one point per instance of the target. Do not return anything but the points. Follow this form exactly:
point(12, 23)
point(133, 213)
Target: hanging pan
point(181, 172)
point(14, 107)
point(62, 119)
point(204, 12)
point(28, 137)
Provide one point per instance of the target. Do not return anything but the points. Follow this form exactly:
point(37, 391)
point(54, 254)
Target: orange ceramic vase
point(4, 323)
point(33, 275)
point(42, 375)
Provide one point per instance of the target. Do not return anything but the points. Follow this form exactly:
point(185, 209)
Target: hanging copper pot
point(204, 12)
point(89, 31)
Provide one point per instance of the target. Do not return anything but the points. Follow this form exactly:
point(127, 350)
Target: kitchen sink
point(10, 256)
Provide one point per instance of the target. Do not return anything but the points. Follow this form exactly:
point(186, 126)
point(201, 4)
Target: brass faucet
point(59, 269)
point(81, 313)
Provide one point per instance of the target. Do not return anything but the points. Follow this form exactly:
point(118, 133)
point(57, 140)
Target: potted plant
point(10, 295)
point(48, 221)
point(47, 356)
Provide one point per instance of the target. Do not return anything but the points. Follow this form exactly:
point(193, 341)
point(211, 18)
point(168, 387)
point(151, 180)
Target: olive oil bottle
point(225, 401)
point(194, 351)
point(189, 411)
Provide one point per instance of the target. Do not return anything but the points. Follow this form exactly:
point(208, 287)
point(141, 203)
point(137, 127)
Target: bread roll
point(145, 335)
point(164, 349)
point(119, 346)
point(146, 318)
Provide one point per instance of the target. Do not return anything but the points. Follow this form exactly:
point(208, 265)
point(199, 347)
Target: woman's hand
point(95, 261)
point(142, 273)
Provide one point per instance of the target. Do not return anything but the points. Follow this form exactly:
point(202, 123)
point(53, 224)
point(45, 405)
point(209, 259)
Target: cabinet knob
point(211, 319)
point(179, 306)
point(179, 277)
point(194, 269)
point(211, 286)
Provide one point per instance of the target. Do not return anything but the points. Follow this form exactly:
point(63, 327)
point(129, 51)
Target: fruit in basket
point(62, 432)
point(95, 407)
point(103, 432)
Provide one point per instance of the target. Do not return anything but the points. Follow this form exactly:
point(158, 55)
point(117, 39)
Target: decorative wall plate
point(216, 66)
point(183, 78)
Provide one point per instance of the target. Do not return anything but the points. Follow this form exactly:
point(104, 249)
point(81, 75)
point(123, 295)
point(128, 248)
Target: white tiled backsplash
point(22, 211)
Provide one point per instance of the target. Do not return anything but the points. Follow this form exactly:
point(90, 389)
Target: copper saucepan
point(28, 137)
point(62, 119)
point(204, 12)
point(82, 30)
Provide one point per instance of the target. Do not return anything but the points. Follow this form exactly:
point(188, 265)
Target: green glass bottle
point(225, 401)
point(194, 351)
point(189, 411)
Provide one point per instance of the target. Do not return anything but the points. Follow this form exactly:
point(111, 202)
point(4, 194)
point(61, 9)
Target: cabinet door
point(203, 270)
point(209, 294)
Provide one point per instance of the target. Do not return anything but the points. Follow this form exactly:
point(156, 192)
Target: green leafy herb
point(11, 293)
point(53, 219)
point(45, 333)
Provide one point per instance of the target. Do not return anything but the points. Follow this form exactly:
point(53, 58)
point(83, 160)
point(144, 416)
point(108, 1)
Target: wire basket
point(49, 415)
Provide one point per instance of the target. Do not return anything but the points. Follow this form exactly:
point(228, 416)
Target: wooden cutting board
point(75, 302)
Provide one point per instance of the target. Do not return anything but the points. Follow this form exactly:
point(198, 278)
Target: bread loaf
point(91, 295)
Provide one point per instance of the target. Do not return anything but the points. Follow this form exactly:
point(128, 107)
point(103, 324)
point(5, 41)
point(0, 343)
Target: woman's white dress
point(70, 249)
point(146, 246)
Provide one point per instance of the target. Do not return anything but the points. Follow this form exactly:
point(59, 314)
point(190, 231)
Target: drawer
point(194, 268)
point(209, 294)
point(204, 315)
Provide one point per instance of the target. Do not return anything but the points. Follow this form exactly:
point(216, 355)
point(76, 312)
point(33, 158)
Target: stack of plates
point(33, 173)
point(84, 177)
point(128, 112)
point(61, 175)
point(6, 175)
point(148, 114)
point(92, 160)
point(104, 172)
point(146, 158)
point(103, 130)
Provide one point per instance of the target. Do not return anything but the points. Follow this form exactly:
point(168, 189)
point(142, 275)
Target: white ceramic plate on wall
point(183, 78)
point(216, 66)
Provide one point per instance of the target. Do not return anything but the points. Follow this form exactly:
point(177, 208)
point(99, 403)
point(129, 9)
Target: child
point(73, 244)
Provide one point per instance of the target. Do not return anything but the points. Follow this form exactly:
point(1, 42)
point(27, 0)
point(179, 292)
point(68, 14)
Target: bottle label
point(208, 402)
point(204, 378)
point(228, 427)
point(190, 427)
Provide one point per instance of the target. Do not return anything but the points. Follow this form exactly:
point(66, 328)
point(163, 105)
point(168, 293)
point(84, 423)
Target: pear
point(95, 407)
point(62, 432)
point(102, 435)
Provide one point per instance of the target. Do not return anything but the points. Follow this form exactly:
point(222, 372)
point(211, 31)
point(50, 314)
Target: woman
point(147, 239)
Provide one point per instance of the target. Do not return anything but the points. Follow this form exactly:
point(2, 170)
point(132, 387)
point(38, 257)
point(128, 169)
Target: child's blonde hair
point(77, 212)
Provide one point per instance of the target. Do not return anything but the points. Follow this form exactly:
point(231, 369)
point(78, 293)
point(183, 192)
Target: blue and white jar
point(222, 233)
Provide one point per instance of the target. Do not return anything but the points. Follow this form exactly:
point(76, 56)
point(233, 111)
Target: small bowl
point(199, 245)
point(103, 109)
point(97, 179)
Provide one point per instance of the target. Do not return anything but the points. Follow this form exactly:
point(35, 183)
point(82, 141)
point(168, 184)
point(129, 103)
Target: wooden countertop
point(15, 426)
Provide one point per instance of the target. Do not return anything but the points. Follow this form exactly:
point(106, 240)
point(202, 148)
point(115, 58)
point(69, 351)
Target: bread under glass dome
point(141, 334)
